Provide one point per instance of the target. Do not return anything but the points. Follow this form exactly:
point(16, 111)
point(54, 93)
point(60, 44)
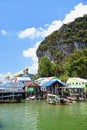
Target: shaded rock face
point(44, 53)
point(63, 49)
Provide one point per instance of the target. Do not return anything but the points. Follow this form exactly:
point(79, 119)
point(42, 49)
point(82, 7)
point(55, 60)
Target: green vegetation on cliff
point(65, 48)
point(69, 33)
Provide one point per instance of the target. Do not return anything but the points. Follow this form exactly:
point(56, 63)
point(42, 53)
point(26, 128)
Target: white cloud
point(55, 25)
point(4, 32)
point(40, 32)
point(34, 68)
point(31, 52)
point(78, 11)
point(29, 32)
point(2, 76)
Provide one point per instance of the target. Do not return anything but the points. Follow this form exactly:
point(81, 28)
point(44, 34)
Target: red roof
point(31, 84)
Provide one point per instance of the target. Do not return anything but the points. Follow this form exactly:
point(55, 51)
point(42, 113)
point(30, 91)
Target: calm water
point(38, 115)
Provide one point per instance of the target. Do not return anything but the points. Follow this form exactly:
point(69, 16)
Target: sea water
point(39, 115)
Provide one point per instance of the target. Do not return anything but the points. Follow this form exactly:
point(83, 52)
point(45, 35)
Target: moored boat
point(52, 99)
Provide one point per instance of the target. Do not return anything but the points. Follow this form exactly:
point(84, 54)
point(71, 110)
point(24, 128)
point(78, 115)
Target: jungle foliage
point(74, 66)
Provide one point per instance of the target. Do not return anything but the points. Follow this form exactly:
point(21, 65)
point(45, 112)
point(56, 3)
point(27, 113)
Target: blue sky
point(25, 23)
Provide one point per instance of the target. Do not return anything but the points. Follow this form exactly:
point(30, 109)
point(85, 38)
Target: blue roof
point(7, 84)
point(52, 81)
point(47, 81)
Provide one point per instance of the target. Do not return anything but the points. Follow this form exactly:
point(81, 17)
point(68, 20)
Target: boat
point(72, 99)
point(52, 99)
point(31, 98)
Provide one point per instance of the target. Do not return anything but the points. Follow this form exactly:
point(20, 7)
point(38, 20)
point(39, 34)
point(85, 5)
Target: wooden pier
point(10, 97)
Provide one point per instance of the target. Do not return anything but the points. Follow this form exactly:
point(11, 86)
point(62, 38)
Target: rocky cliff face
point(65, 41)
point(61, 51)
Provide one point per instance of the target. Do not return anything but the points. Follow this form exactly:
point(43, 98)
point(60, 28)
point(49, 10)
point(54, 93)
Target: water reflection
point(1, 126)
point(38, 115)
point(19, 117)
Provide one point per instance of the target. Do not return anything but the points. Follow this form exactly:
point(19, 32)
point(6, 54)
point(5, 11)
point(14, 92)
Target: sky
point(24, 24)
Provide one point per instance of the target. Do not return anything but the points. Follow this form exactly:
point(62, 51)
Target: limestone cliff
point(64, 41)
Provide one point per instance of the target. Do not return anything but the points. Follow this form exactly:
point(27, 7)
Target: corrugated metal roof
point(44, 80)
point(23, 79)
point(47, 81)
point(7, 84)
point(30, 83)
point(46, 84)
point(73, 79)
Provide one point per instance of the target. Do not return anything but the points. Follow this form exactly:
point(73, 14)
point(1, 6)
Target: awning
point(75, 86)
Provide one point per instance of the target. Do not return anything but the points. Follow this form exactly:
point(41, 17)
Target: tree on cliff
point(76, 64)
point(44, 67)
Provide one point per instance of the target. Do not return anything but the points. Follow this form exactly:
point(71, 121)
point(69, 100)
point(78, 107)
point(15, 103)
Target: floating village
point(52, 89)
